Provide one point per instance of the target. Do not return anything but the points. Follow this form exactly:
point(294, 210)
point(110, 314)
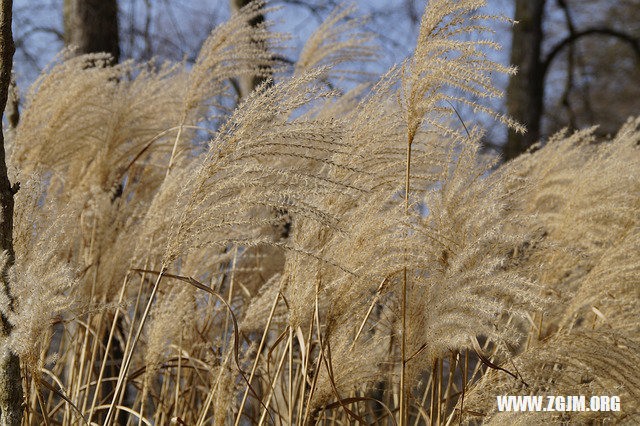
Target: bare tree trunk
point(248, 83)
point(525, 93)
point(10, 380)
point(92, 26)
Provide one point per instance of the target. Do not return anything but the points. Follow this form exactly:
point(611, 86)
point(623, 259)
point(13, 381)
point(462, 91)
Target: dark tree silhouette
point(92, 26)
point(525, 93)
point(526, 90)
point(10, 380)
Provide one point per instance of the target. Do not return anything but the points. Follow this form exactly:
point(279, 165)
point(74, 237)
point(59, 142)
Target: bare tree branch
point(633, 42)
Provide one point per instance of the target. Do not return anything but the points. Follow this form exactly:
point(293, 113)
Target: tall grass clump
point(310, 253)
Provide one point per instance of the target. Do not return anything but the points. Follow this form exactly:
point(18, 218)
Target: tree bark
point(248, 83)
point(10, 380)
point(525, 93)
point(92, 26)
point(13, 107)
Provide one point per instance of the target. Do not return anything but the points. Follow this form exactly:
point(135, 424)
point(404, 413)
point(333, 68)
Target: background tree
point(10, 380)
point(597, 42)
point(92, 26)
point(525, 92)
point(596, 63)
point(248, 83)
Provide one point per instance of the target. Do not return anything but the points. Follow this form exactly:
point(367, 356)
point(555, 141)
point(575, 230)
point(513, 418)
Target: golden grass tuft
point(322, 255)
